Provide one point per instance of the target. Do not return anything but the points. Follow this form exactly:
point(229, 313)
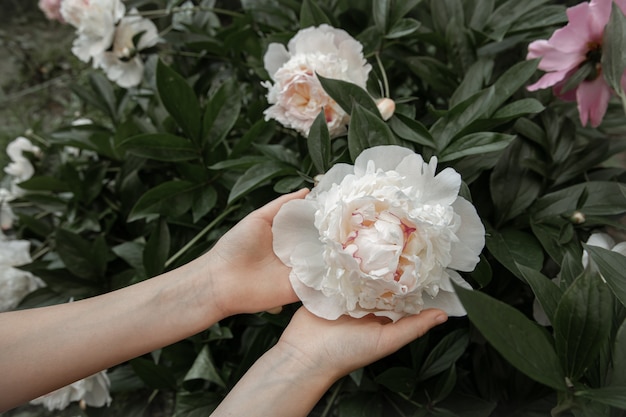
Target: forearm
point(44, 349)
point(280, 384)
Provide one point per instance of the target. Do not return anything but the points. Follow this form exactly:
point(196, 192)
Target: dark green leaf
point(132, 253)
point(445, 354)
point(346, 93)
point(312, 15)
point(403, 27)
point(603, 199)
point(518, 109)
point(411, 130)
point(318, 143)
point(618, 377)
point(475, 144)
point(79, 255)
point(171, 198)
point(398, 379)
point(475, 79)
point(196, 404)
point(444, 385)
point(519, 340)
point(153, 375)
point(157, 250)
point(179, 99)
point(613, 396)
point(547, 292)
point(433, 73)
point(367, 130)
point(45, 183)
point(204, 200)
point(582, 323)
point(510, 82)
point(512, 247)
point(612, 266)
point(221, 114)
point(614, 49)
point(257, 175)
point(161, 147)
point(104, 92)
point(482, 274)
point(203, 368)
point(380, 13)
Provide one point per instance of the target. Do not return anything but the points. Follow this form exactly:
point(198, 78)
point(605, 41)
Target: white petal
point(329, 308)
point(334, 175)
point(446, 301)
point(386, 158)
point(293, 225)
point(465, 253)
point(275, 57)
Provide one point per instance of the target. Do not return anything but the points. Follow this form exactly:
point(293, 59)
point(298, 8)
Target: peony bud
point(386, 107)
point(577, 217)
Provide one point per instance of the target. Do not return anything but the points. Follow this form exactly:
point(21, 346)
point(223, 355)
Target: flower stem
point(197, 237)
point(384, 75)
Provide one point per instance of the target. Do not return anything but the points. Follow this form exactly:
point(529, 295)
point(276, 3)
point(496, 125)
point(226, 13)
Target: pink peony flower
point(52, 9)
point(578, 43)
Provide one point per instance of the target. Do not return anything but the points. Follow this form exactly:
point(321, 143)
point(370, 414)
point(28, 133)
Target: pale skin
point(47, 348)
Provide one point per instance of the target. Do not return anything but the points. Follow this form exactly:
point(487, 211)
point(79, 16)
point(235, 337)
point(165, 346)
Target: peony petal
point(548, 80)
point(329, 308)
point(446, 301)
point(292, 225)
point(465, 253)
point(334, 175)
point(620, 248)
point(386, 158)
point(275, 57)
point(597, 18)
point(593, 99)
point(553, 58)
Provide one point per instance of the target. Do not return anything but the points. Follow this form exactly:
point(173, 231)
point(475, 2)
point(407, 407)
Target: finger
point(410, 328)
point(269, 210)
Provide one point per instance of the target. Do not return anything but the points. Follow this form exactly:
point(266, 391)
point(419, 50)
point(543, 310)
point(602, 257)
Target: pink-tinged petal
point(548, 80)
point(334, 175)
point(599, 13)
point(569, 95)
point(623, 81)
point(386, 158)
point(274, 58)
point(293, 224)
point(465, 253)
point(553, 58)
point(593, 99)
point(329, 308)
point(578, 19)
point(621, 4)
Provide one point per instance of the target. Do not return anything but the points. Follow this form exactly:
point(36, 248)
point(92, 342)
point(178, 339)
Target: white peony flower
point(95, 22)
point(20, 167)
point(52, 9)
point(384, 236)
point(123, 64)
point(15, 284)
point(93, 390)
point(297, 96)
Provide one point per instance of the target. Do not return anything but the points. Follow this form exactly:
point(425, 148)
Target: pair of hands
point(254, 280)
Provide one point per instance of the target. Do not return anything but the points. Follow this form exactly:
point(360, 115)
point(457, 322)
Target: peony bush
point(461, 154)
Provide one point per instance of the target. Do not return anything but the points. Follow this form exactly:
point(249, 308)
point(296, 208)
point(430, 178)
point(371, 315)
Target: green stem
point(197, 237)
point(384, 75)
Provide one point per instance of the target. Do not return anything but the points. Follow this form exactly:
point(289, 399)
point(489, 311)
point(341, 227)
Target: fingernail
point(442, 318)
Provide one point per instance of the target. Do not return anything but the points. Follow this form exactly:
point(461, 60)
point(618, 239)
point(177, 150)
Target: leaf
point(397, 379)
point(475, 144)
point(80, 256)
point(318, 143)
point(403, 27)
point(519, 340)
point(367, 130)
point(445, 354)
point(132, 253)
point(512, 247)
point(582, 323)
point(411, 130)
point(204, 200)
point(459, 117)
point(312, 15)
point(474, 80)
point(171, 198)
point(104, 92)
point(179, 100)
point(153, 375)
point(510, 82)
point(221, 114)
point(613, 396)
point(604, 198)
point(380, 13)
point(482, 274)
point(546, 291)
point(161, 147)
point(346, 93)
point(614, 49)
point(44, 183)
point(157, 250)
point(434, 73)
point(518, 109)
point(196, 404)
point(618, 378)
point(257, 175)
point(204, 368)
point(612, 266)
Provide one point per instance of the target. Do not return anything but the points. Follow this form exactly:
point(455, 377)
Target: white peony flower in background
point(385, 236)
point(20, 167)
point(7, 217)
point(95, 22)
point(123, 64)
point(93, 390)
point(52, 9)
point(15, 284)
point(296, 95)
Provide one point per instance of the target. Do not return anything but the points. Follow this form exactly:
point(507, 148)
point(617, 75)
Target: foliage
point(167, 167)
